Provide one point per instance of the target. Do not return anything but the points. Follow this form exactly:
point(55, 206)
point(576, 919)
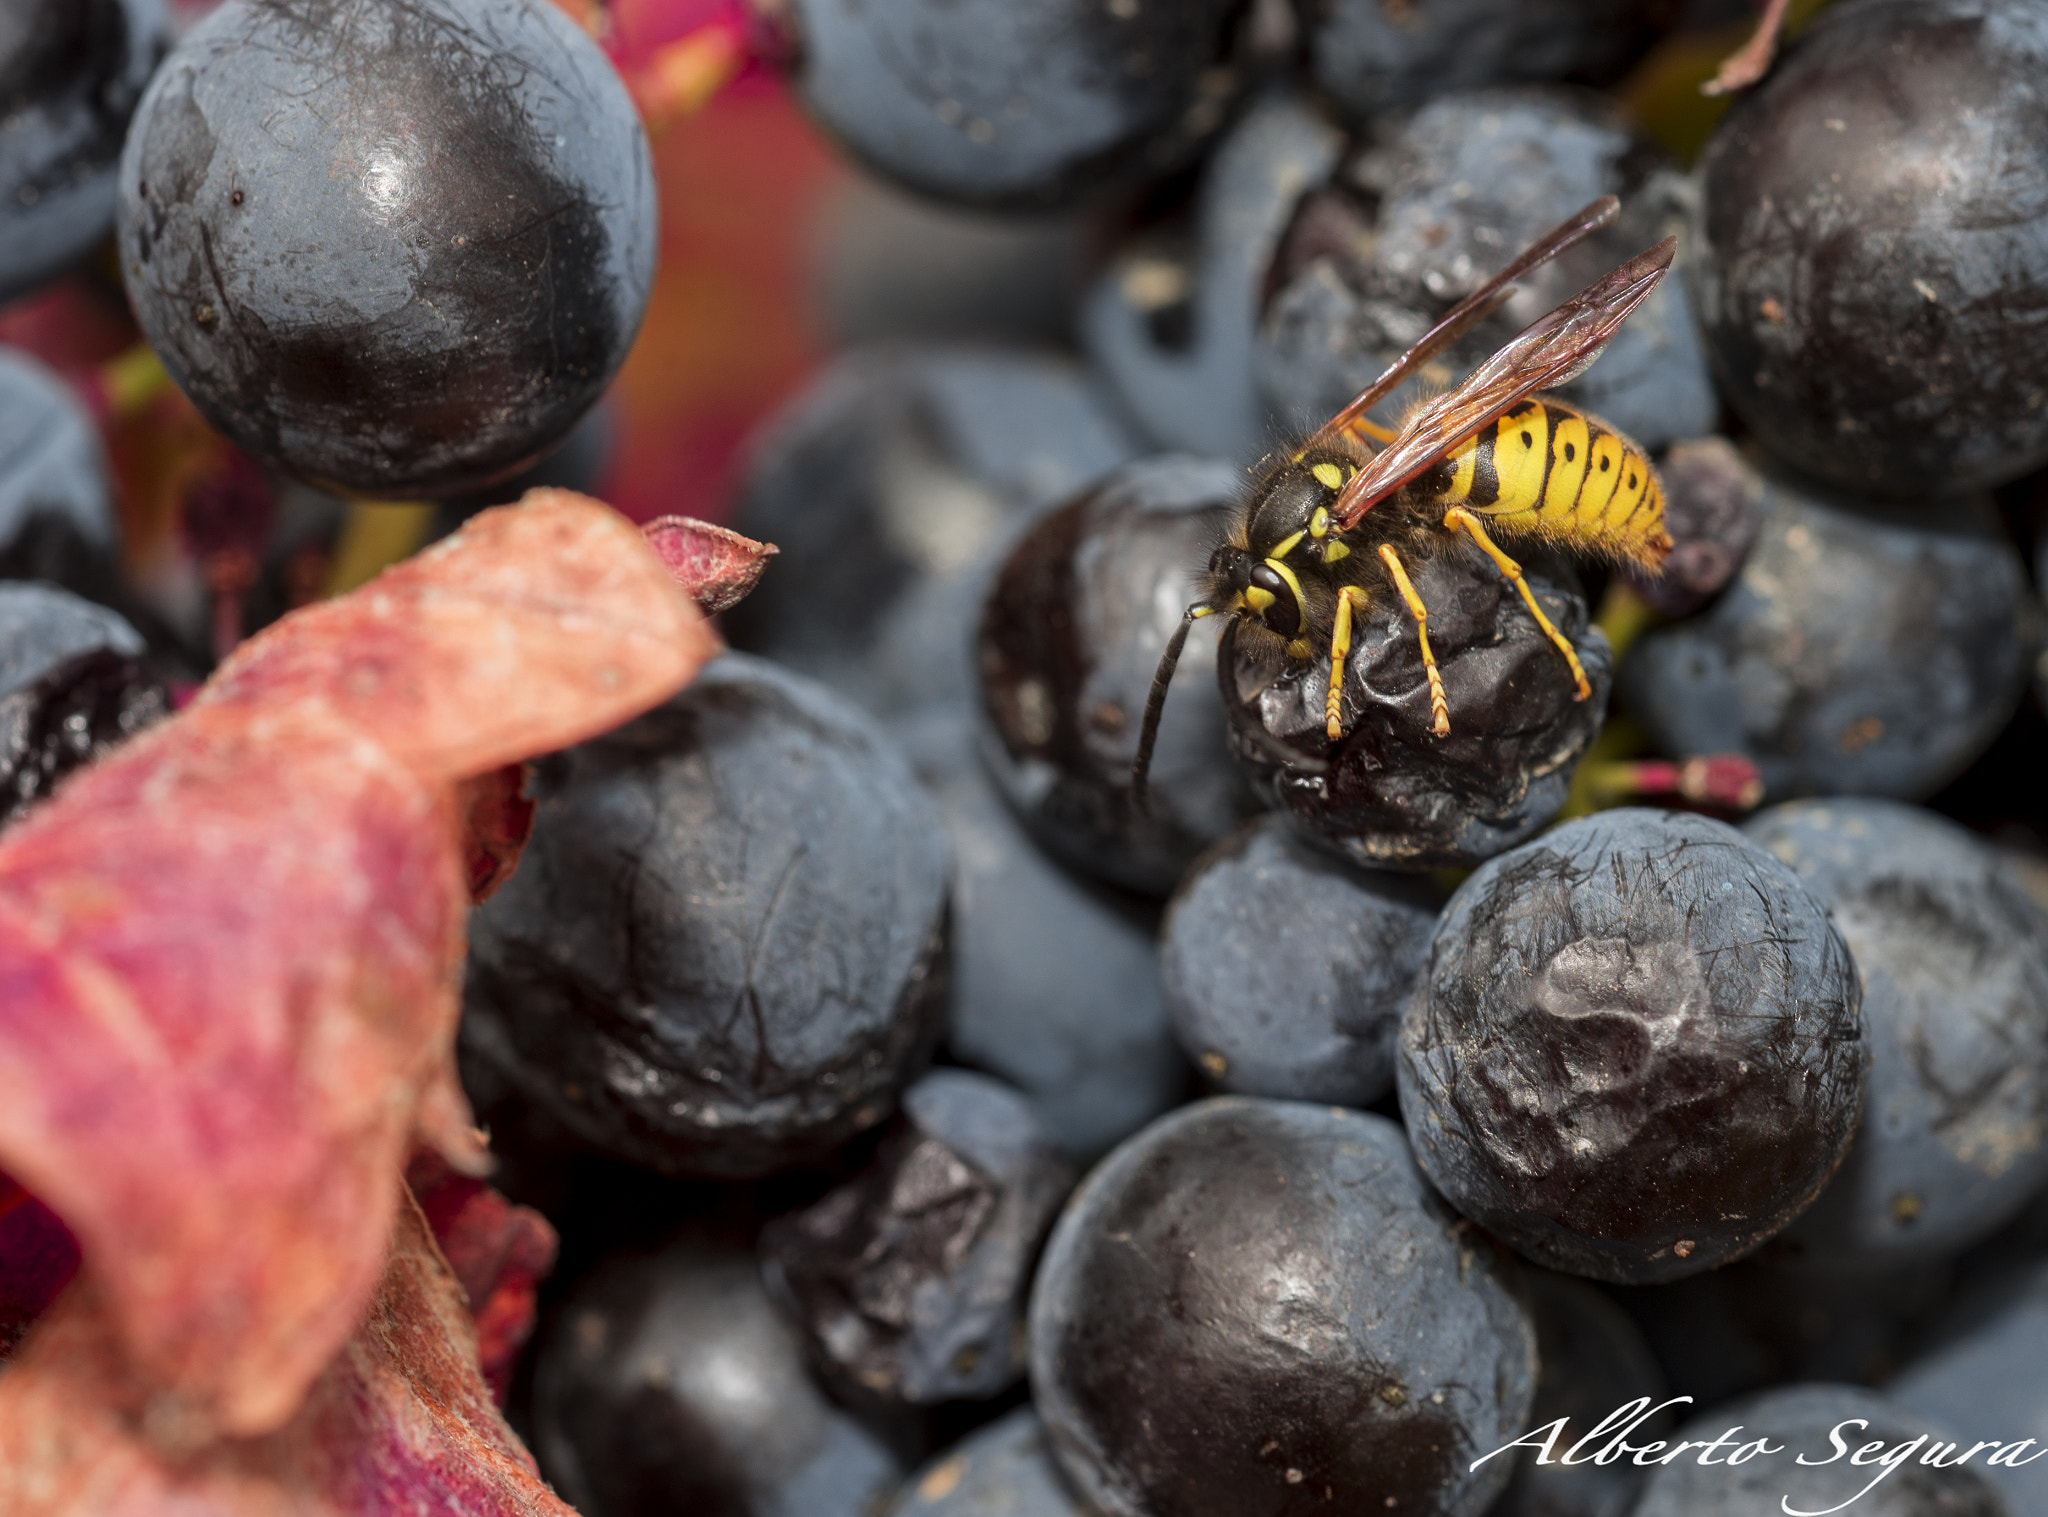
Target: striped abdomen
point(1548, 470)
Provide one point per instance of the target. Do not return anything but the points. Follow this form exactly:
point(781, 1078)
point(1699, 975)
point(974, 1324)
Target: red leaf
point(715, 564)
point(497, 819)
point(534, 627)
point(229, 953)
point(224, 989)
point(400, 1423)
point(500, 1253)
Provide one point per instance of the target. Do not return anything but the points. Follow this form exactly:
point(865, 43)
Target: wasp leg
point(1459, 517)
point(1439, 707)
point(1360, 436)
point(1348, 599)
point(1365, 426)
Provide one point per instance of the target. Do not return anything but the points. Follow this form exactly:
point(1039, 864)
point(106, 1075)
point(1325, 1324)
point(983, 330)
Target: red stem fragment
point(1750, 62)
point(723, 41)
point(498, 1252)
point(1726, 780)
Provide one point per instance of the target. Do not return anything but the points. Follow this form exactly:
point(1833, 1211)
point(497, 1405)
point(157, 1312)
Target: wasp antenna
point(1155, 702)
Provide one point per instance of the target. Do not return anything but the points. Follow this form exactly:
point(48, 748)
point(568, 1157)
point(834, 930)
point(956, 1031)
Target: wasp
point(1339, 519)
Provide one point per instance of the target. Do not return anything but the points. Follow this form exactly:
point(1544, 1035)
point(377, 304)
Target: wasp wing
point(1553, 349)
point(1466, 314)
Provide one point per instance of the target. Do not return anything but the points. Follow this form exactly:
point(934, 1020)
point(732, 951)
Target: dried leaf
point(229, 953)
point(716, 565)
point(534, 627)
point(400, 1423)
point(225, 982)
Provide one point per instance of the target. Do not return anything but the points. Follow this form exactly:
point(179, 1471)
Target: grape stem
point(1750, 62)
point(1727, 780)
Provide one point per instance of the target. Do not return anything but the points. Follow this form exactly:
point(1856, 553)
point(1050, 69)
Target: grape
point(394, 249)
point(986, 102)
point(1875, 247)
point(71, 72)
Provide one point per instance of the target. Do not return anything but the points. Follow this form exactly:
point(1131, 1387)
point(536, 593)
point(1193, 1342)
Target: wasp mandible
point(1339, 519)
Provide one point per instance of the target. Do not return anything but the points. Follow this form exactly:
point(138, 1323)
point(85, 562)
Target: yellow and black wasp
point(1340, 518)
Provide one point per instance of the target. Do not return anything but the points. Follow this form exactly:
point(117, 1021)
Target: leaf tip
point(716, 565)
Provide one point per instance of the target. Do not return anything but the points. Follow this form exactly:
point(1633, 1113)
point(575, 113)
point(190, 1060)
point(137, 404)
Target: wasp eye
point(1278, 607)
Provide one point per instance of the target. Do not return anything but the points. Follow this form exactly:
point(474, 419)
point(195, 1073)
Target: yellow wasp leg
point(1348, 598)
point(1439, 707)
point(1459, 517)
point(1353, 432)
point(1366, 427)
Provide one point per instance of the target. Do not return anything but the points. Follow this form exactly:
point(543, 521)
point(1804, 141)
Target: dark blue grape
point(1173, 321)
point(1874, 247)
point(909, 1281)
point(57, 520)
point(1954, 962)
point(2040, 685)
point(1286, 970)
point(71, 72)
point(1594, 1362)
point(723, 950)
point(1258, 1307)
point(1005, 1470)
point(73, 685)
point(1368, 55)
point(1979, 1371)
point(887, 484)
point(1712, 511)
point(983, 102)
point(1391, 794)
point(393, 249)
point(672, 1384)
point(1430, 203)
point(1070, 637)
point(1859, 650)
point(896, 267)
point(1055, 979)
point(1635, 1051)
point(1753, 1323)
